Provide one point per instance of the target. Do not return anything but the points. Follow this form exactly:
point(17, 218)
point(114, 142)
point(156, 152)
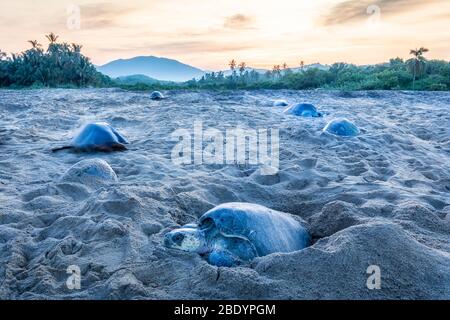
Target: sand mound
point(90, 172)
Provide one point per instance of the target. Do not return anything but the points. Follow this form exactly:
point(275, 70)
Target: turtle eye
point(206, 223)
point(178, 238)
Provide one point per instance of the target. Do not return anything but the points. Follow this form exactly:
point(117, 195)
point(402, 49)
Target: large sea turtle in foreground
point(303, 110)
point(234, 233)
point(97, 136)
point(342, 127)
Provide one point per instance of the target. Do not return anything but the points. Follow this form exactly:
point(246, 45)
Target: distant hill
point(249, 69)
point(311, 66)
point(262, 71)
point(152, 67)
point(135, 79)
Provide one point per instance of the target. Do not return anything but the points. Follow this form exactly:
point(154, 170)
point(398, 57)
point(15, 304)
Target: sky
point(209, 33)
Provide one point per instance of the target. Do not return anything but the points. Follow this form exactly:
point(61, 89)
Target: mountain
point(135, 79)
point(153, 67)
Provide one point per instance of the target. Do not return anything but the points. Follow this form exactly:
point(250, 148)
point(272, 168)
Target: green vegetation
point(416, 73)
point(61, 65)
point(417, 64)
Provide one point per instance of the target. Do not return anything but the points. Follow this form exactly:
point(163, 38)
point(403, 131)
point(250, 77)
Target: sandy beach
point(381, 198)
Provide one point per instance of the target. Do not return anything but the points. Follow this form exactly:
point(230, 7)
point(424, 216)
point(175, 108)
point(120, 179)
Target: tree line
point(59, 65)
point(416, 73)
point(63, 65)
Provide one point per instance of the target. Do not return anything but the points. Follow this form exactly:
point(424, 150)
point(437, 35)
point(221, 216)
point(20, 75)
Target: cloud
point(202, 46)
point(356, 10)
point(238, 21)
point(102, 15)
point(185, 46)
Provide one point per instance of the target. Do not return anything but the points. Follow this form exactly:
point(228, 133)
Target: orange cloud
point(238, 21)
point(357, 10)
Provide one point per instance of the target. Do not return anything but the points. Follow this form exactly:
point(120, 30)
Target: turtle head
point(187, 239)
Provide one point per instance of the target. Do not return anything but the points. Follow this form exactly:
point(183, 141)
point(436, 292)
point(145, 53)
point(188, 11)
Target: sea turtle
point(342, 127)
point(156, 95)
point(280, 103)
point(234, 233)
point(91, 172)
point(303, 110)
point(98, 136)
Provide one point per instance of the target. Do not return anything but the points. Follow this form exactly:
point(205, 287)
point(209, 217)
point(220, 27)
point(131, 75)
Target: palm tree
point(242, 66)
point(2, 55)
point(277, 70)
point(232, 65)
point(302, 64)
point(417, 63)
point(76, 47)
point(52, 38)
point(14, 57)
point(285, 66)
point(35, 44)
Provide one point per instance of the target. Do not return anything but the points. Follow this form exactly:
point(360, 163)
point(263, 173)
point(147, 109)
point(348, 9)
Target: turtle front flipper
point(62, 148)
point(118, 147)
point(231, 251)
point(223, 258)
point(110, 148)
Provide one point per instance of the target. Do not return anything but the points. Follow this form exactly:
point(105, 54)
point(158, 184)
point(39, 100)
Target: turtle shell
point(280, 103)
point(91, 172)
point(267, 230)
point(303, 110)
point(156, 95)
point(98, 134)
point(342, 127)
